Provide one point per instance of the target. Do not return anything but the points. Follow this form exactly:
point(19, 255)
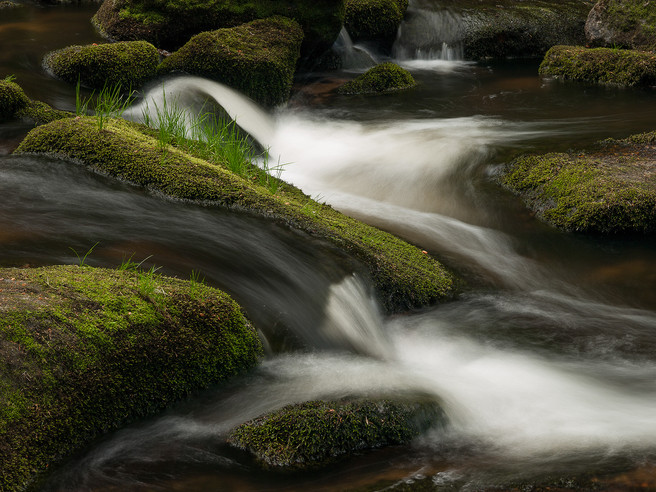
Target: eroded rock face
point(622, 23)
point(313, 434)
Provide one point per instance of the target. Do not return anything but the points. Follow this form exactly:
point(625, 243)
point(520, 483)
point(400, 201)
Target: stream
point(545, 366)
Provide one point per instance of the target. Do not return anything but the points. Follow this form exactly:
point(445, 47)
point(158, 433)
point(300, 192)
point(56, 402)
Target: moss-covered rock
point(374, 20)
point(128, 64)
point(404, 276)
point(84, 351)
point(6, 4)
point(312, 434)
point(258, 58)
point(626, 23)
point(385, 77)
point(170, 24)
point(610, 66)
point(610, 190)
point(516, 28)
point(14, 104)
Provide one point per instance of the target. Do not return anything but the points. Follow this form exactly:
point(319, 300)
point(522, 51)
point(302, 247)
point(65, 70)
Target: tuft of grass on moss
point(609, 191)
point(84, 351)
point(384, 77)
point(313, 434)
point(126, 64)
point(258, 58)
point(404, 276)
point(629, 68)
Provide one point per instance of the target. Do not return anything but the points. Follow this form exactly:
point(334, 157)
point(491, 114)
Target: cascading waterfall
point(353, 56)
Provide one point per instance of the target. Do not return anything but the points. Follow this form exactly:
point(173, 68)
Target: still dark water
point(546, 367)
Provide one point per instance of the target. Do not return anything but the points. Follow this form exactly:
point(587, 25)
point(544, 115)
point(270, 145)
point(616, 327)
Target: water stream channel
point(546, 365)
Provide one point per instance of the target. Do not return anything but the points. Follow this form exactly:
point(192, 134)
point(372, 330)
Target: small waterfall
point(353, 56)
point(429, 36)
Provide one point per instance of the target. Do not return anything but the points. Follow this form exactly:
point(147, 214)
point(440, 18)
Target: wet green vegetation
point(384, 77)
point(374, 20)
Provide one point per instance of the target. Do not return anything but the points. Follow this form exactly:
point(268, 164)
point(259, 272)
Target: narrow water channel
point(545, 367)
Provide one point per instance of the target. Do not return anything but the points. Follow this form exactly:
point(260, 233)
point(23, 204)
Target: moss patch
point(258, 58)
point(170, 24)
point(14, 104)
point(313, 434)
point(385, 77)
point(374, 20)
point(84, 351)
point(628, 23)
point(128, 64)
point(611, 190)
point(404, 276)
point(611, 66)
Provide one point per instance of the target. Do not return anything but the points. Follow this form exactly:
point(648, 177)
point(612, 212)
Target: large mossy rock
point(403, 275)
point(630, 68)
point(623, 23)
point(258, 58)
point(313, 434)
point(14, 104)
point(376, 21)
point(385, 77)
point(128, 64)
point(84, 351)
point(499, 29)
point(610, 190)
point(170, 24)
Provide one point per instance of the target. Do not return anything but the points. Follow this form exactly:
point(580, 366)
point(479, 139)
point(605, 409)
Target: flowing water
point(546, 366)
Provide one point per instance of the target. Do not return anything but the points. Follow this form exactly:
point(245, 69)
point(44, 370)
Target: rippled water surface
point(546, 366)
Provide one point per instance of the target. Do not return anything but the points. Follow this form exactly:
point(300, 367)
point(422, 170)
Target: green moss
point(385, 77)
point(313, 434)
point(128, 64)
point(374, 20)
point(631, 15)
point(258, 58)
point(610, 191)
point(403, 275)
point(170, 24)
point(600, 65)
point(84, 351)
point(12, 98)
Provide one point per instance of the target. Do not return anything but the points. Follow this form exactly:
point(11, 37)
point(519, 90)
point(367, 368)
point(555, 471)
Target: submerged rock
point(376, 21)
point(385, 77)
point(84, 351)
point(404, 275)
point(622, 23)
point(610, 190)
point(127, 64)
point(258, 58)
point(170, 24)
point(313, 434)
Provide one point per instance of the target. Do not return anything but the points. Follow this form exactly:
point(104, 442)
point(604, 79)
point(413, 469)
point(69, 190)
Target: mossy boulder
point(622, 23)
point(128, 64)
point(84, 351)
point(384, 77)
point(610, 190)
point(6, 4)
point(609, 66)
point(313, 434)
point(404, 276)
point(258, 58)
point(376, 21)
point(496, 29)
point(170, 24)
point(14, 104)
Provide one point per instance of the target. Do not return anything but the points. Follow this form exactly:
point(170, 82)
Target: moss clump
point(385, 77)
point(600, 65)
point(629, 23)
point(84, 351)
point(128, 64)
point(313, 434)
point(170, 24)
point(404, 276)
point(12, 99)
point(258, 58)
point(374, 20)
point(609, 191)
